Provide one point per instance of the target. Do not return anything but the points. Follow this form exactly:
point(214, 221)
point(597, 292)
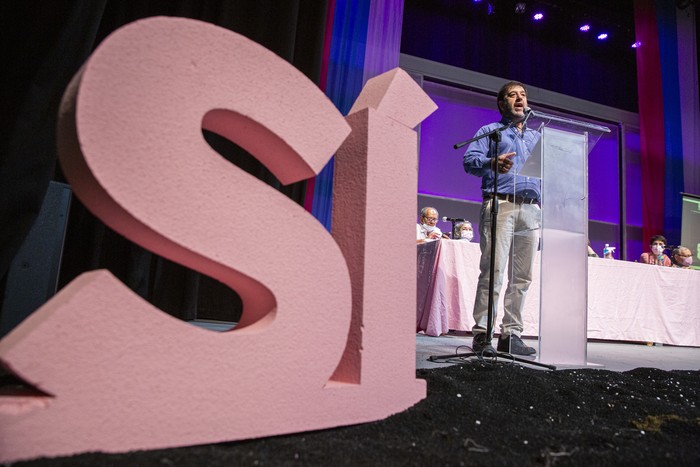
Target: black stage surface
point(485, 414)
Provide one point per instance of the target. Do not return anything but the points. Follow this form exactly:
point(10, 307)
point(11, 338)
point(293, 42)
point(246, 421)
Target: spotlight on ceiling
point(492, 8)
point(585, 28)
point(520, 8)
point(603, 36)
point(537, 16)
point(637, 45)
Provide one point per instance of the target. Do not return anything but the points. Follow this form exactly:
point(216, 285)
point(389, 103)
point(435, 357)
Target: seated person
point(427, 230)
point(656, 256)
point(682, 257)
point(465, 231)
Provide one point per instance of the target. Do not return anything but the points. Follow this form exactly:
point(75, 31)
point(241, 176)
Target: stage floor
point(607, 355)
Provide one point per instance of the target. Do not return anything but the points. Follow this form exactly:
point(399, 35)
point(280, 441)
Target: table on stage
point(626, 301)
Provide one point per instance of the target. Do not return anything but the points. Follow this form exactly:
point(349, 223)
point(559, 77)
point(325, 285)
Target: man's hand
point(504, 162)
point(433, 235)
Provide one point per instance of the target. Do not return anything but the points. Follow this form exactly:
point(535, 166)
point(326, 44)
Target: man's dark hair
point(657, 238)
point(505, 89)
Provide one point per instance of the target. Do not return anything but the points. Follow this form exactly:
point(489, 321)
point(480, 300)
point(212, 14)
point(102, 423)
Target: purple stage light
point(585, 28)
point(537, 16)
point(603, 36)
point(637, 45)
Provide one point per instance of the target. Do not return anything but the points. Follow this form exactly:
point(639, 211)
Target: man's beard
point(514, 116)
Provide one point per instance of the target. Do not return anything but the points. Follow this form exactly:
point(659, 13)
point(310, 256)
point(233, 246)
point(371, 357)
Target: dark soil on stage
point(487, 414)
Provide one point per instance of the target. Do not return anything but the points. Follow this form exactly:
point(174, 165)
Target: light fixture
point(637, 45)
point(537, 16)
point(519, 8)
point(602, 36)
point(585, 28)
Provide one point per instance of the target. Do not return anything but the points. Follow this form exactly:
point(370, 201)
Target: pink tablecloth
point(448, 287)
point(626, 301)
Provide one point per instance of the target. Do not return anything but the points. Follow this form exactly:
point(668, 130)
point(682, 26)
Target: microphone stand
point(452, 221)
point(495, 138)
point(454, 234)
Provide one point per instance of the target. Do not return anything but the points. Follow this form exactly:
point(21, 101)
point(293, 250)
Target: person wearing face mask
point(519, 214)
point(466, 231)
point(656, 256)
point(427, 230)
point(682, 257)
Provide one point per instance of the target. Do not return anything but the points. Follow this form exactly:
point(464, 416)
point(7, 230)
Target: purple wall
point(636, 245)
point(459, 115)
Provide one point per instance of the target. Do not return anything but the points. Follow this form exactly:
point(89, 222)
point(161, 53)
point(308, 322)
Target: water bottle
point(608, 251)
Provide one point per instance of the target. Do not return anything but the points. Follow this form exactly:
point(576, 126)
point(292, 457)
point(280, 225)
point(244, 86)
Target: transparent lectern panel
point(558, 165)
point(520, 224)
point(594, 132)
point(565, 188)
point(538, 121)
point(564, 262)
point(533, 164)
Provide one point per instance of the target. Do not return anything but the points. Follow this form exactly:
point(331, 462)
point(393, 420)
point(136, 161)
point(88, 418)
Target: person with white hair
point(682, 257)
point(428, 230)
point(464, 230)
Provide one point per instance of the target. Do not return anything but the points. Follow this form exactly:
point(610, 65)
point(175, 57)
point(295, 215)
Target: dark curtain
point(42, 46)
point(489, 37)
point(47, 42)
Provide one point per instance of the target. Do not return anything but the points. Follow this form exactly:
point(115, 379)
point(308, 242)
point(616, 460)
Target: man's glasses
point(431, 219)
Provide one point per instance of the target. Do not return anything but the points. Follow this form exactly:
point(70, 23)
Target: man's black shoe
point(481, 347)
point(514, 345)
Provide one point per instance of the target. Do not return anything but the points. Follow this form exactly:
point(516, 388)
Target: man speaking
point(517, 222)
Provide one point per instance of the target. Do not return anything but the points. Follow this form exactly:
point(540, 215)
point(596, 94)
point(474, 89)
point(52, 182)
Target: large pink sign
point(327, 336)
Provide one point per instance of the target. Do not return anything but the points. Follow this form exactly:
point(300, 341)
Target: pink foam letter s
point(121, 375)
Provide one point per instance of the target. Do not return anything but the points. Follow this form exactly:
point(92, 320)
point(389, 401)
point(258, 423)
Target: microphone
point(527, 111)
point(452, 219)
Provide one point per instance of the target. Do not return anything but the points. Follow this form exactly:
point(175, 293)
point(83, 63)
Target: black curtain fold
point(553, 54)
point(49, 41)
point(42, 49)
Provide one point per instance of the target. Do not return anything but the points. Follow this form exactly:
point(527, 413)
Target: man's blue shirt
point(477, 161)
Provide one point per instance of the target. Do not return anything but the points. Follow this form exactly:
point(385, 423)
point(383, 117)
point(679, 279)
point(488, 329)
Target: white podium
point(560, 162)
